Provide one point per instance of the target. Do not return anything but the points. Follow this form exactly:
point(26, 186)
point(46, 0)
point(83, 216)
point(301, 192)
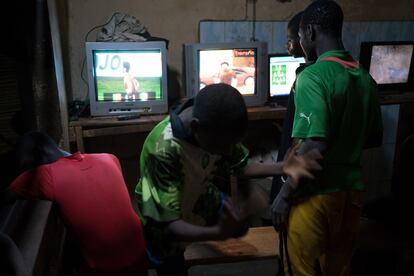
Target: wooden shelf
point(397, 98)
point(105, 126)
point(258, 244)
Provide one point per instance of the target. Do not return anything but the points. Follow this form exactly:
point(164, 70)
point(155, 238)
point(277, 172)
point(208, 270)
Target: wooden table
point(258, 244)
point(103, 126)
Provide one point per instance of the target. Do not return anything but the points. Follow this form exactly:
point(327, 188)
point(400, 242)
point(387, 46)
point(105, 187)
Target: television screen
point(127, 77)
point(282, 73)
point(133, 75)
point(236, 67)
point(240, 64)
point(391, 63)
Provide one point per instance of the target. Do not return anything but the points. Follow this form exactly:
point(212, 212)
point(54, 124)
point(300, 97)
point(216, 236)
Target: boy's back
point(93, 200)
point(337, 103)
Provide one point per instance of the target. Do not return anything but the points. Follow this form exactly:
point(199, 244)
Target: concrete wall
point(177, 20)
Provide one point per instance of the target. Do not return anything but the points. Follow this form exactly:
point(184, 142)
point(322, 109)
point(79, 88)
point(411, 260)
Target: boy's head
point(219, 118)
point(126, 66)
point(224, 64)
point(321, 21)
point(34, 149)
point(293, 45)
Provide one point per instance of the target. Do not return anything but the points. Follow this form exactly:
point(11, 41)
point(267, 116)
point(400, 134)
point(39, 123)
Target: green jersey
point(180, 180)
point(338, 103)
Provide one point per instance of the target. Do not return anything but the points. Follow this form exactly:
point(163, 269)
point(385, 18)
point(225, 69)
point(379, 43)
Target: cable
point(84, 57)
point(284, 233)
point(253, 38)
point(283, 251)
point(246, 8)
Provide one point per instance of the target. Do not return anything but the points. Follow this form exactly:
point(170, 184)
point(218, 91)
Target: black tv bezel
point(278, 99)
point(365, 61)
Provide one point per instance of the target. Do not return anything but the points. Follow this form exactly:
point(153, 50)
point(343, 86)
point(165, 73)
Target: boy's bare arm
point(295, 166)
point(281, 204)
point(256, 169)
point(188, 232)
point(230, 225)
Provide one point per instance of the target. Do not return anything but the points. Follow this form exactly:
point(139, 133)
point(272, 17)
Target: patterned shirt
point(180, 180)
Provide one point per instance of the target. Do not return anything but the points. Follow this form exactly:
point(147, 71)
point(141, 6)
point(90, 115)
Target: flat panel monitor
point(282, 74)
point(390, 63)
point(127, 78)
point(240, 64)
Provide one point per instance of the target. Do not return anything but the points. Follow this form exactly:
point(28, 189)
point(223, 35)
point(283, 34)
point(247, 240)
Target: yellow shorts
point(324, 228)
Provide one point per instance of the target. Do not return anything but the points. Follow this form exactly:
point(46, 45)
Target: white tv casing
point(192, 77)
point(100, 108)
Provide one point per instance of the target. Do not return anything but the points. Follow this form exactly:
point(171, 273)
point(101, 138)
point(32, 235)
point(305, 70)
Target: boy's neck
point(186, 116)
point(329, 44)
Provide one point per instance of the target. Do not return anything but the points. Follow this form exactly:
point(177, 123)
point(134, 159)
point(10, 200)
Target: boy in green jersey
point(337, 112)
point(183, 162)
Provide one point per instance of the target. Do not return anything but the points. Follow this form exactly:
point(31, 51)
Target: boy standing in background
point(337, 112)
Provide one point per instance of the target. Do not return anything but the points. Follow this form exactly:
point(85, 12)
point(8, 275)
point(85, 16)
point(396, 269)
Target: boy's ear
point(310, 32)
point(194, 125)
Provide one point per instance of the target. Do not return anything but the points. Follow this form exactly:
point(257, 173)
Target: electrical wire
point(253, 38)
point(84, 57)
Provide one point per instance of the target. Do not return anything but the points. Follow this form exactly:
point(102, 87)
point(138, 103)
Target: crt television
point(282, 75)
point(390, 63)
point(127, 78)
point(240, 64)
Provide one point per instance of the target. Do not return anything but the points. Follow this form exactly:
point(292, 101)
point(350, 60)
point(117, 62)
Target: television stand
point(107, 126)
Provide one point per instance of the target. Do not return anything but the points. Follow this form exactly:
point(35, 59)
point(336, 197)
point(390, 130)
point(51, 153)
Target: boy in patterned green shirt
point(181, 192)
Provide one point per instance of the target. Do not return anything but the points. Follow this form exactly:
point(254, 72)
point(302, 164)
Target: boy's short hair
point(126, 65)
point(33, 149)
point(294, 23)
point(325, 13)
point(220, 107)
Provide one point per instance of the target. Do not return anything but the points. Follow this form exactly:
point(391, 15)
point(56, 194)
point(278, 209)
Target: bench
point(259, 243)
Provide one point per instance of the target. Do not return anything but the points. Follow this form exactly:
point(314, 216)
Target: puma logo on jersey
point(303, 115)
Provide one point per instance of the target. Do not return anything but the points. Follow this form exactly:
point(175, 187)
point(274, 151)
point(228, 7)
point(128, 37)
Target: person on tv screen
point(226, 74)
point(185, 165)
point(320, 219)
point(131, 84)
point(93, 202)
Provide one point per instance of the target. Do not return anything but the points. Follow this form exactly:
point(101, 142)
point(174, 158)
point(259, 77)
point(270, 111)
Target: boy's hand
point(230, 224)
point(281, 206)
point(298, 166)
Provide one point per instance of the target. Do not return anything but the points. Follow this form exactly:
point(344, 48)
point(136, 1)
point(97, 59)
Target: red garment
point(93, 200)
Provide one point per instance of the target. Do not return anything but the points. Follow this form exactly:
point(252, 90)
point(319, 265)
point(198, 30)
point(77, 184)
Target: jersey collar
point(342, 54)
point(177, 125)
point(75, 156)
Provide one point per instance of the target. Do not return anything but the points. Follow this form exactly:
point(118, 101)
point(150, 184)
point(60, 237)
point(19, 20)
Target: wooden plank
point(211, 32)
point(255, 113)
point(266, 113)
point(72, 134)
point(113, 121)
point(397, 98)
point(279, 37)
point(118, 130)
point(259, 243)
point(237, 31)
point(95, 127)
point(60, 79)
point(79, 139)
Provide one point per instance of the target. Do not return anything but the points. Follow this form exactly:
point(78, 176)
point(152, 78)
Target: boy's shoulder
point(161, 141)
